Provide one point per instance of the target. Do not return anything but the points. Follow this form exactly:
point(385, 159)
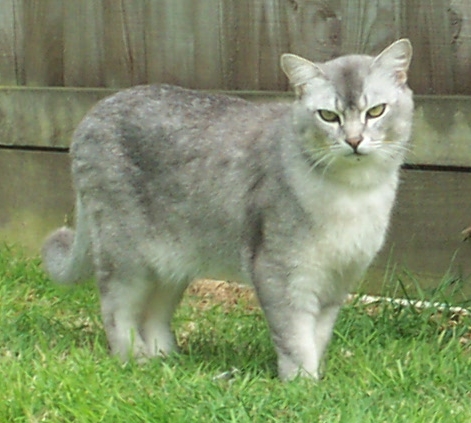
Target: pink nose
point(354, 142)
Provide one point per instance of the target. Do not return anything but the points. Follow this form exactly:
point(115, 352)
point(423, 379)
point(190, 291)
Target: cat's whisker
point(389, 149)
point(321, 161)
point(391, 153)
point(318, 155)
point(333, 157)
point(398, 147)
point(311, 151)
point(390, 144)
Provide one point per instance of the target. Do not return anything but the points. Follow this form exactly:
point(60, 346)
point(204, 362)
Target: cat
point(295, 198)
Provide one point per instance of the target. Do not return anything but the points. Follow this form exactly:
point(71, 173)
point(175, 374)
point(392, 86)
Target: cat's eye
point(329, 116)
point(376, 111)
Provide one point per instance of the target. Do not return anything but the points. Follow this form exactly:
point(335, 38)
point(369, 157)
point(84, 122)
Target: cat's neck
point(367, 176)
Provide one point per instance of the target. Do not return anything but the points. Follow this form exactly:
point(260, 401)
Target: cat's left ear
point(299, 71)
point(396, 58)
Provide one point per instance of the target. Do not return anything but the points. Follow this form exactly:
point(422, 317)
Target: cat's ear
point(299, 71)
point(396, 58)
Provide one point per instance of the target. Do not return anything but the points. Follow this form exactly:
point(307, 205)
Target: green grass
point(386, 363)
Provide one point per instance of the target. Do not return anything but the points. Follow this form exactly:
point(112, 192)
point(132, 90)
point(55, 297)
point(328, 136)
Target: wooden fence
point(50, 48)
point(223, 44)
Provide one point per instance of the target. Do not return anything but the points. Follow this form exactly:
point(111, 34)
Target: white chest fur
point(349, 228)
point(352, 222)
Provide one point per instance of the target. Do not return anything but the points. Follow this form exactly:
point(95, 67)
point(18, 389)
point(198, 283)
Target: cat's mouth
point(356, 154)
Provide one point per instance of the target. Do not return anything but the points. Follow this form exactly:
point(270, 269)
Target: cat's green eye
point(376, 111)
point(329, 116)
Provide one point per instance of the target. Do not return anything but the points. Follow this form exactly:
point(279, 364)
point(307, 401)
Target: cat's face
point(354, 109)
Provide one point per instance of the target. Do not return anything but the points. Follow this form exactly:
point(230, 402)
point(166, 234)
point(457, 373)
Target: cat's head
point(354, 111)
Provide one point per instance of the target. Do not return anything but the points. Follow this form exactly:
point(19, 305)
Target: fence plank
point(259, 38)
point(368, 27)
point(124, 39)
point(184, 43)
point(314, 29)
point(84, 48)
point(429, 28)
point(11, 43)
point(175, 54)
point(460, 23)
point(432, 209)
point(46, 116)
point(209, 69)
point(37, 197)
point(43, 30)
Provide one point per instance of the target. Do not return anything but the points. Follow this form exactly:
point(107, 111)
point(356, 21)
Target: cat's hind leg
point(123, 299)
point(137, 312)
point(156, 323)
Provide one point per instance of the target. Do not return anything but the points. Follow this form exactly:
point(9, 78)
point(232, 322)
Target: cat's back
point(142, 110)
point(153, 130)
point(166, 141)
point(166, 104)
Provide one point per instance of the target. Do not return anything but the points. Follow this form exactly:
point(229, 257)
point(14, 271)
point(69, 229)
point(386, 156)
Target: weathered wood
point(218, 44)
point(155, 41)
point(210, 69)
point(432, 210)
point(175, 23)
point(259, 31)
point(440, 31)
point(460, 24)
point(442, 131)
point(43, 116)
point(314, 29)
point(11, 43)
point(35, 194)
point(83, 44)
point(47, 117)
point(43, 28)
point(368, 27)
point(124, 38)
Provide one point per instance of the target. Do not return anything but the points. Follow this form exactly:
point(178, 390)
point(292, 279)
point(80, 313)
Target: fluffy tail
point(66, 254)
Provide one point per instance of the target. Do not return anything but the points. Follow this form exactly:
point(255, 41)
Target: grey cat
point(174, 184)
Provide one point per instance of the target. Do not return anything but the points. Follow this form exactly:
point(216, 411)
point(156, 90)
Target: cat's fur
point(174, 185)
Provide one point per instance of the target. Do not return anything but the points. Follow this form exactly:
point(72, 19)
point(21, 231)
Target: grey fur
point(174, 185)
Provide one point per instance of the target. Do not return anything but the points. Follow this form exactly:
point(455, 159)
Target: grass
point(386, 363)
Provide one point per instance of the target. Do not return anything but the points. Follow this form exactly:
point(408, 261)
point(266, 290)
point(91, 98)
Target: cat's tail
point(66, 253)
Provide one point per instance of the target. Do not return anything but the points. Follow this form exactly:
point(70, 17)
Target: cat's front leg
point(301, 348)
point(301, 329)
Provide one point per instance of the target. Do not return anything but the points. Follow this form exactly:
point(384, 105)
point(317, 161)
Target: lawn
point(387, 363)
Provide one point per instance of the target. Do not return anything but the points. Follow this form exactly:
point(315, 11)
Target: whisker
point(333, 157)
point(391, 153)
point(319, 162)
point(317, 155)
point(391, 144)
point(390, 149)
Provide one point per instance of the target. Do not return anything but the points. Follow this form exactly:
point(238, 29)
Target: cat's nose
point(354, 142)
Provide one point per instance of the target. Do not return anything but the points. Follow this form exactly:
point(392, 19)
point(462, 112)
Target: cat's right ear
point(299, 71)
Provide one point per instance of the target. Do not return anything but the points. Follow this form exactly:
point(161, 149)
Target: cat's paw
point(289, 370)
